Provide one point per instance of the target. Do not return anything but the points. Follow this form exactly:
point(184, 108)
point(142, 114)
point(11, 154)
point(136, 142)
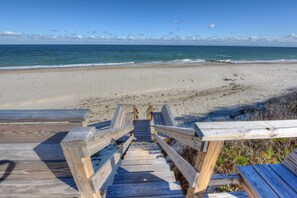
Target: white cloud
point(177, 21)
point(292, 36)
point(211, 26)
point(8, 33)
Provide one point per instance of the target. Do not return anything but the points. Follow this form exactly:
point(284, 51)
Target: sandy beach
point(190, 90)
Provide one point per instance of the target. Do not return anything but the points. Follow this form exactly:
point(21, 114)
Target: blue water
point(27, 56)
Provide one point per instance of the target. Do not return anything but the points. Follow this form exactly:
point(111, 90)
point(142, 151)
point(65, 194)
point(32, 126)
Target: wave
point(66, 66)
point(175, 61)
point(265, 61)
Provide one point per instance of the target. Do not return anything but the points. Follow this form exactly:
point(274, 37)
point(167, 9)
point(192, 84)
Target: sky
point(172, 22)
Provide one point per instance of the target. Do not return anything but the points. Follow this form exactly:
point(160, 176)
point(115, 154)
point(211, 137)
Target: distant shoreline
point(134, 66)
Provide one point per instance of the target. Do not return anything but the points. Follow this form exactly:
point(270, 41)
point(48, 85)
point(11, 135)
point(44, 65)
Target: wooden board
point(167, 116)
point(31, 151)
point(291, 162)
point(98, 179)
point(224, 179)
point(143, 162)
point(19, 188)
point(183, 135)
point(35, 133)
point(43, 115)
point(241, 130)
point(287, 176)
point(185, 168)
point(143, 177)
point(103, 138)
point(144, 189)
point(239, 194)
point(144, 168)
point(255, 182)
point(34, 169)
point(274, 181)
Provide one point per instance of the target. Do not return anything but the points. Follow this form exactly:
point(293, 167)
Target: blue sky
point(228, 22)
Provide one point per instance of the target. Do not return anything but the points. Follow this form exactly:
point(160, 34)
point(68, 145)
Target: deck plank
point(289, 177)
point(274, 181)
point(253, 180)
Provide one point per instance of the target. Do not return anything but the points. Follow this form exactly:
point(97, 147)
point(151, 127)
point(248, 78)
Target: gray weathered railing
point(81, 143)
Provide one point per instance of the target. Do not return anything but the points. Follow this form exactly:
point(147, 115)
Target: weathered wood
point(143, 177)
point(241, 130)
point(79, 136)
point(258, 187)
point(144, 189)
point(238, 194)
point(144, 168)
point(27, 187)
point(35, 133)
point(103, 138)
point(81, 167)
point(183, 135)
point(209, 162)
point(50, 115)
point(149, 112)
point(224, 179)
point(274, 181)
point(33, 169)
point(167, 116)
point(185, 168)
point(143, 162)
point(135, 112)
point(284, 173)
point(291, 162)
point(98, 179)
point(31, 151)
point(118, 117)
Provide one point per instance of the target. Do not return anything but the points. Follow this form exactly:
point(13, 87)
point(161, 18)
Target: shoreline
point(133, 66)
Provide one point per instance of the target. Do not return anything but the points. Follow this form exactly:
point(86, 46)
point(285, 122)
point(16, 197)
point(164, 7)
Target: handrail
point(97, 179)
point(149, 112)
point(167, 116)
point(190, 173)
point(81, 143)
point(244, 130)
point(183, 135)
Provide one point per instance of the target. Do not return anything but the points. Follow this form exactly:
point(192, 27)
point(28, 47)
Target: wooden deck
point(32, 163)
point(52, 153)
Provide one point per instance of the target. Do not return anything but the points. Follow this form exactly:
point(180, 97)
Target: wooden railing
point(199, 176)
point(81, 143)
point(208, 138)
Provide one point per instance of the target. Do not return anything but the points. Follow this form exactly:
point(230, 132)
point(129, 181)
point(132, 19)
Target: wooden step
point(239, 194)
point(143, 177)
point(143, 162)
point(144, 168)
point(34, 169)
point(31, 151)
point(144, 189)
point(41, 188)
point(143, 152)
point(138, 157)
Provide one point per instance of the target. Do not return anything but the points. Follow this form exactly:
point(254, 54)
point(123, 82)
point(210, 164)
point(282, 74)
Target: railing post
point(205, 163)
point(80, 166)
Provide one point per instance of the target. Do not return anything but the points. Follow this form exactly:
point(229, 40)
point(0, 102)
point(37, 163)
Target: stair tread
point(144, 189)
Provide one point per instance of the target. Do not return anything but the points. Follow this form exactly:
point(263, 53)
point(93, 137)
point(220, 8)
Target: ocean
point(43, 56)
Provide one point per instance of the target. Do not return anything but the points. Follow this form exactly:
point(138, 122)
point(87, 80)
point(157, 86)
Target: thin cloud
point(8, 33)
point(211, 26)
point(177, 21)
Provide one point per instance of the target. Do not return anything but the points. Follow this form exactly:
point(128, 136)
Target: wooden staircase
point(144, 171)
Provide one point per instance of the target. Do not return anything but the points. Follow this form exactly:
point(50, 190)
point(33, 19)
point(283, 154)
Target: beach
point(189, 89)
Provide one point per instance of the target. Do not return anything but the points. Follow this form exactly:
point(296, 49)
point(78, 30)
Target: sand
point(190, 90)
